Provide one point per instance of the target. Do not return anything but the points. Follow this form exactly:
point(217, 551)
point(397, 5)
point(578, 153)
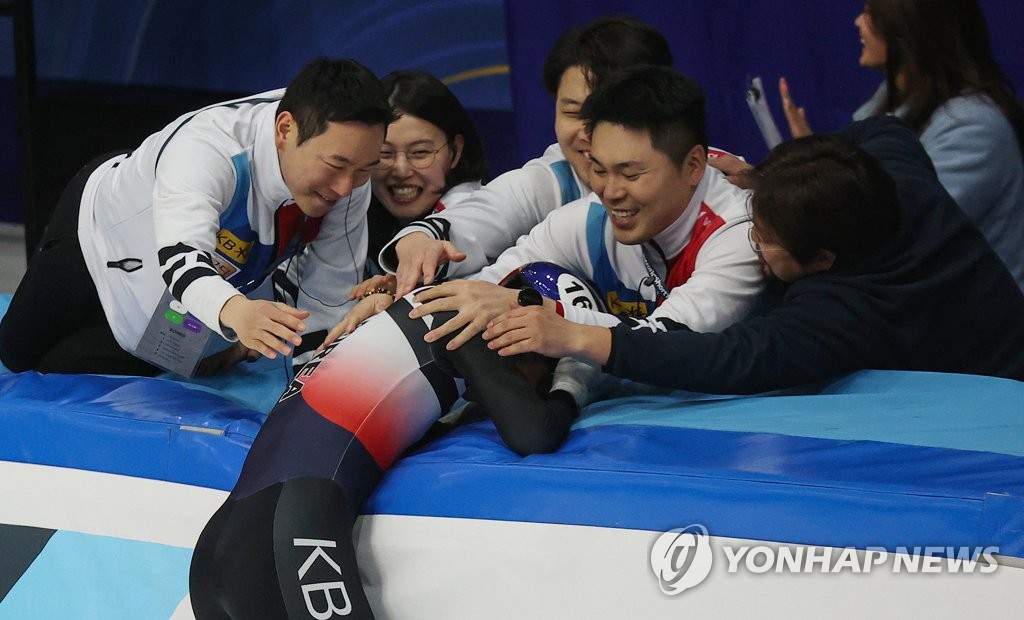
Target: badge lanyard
point(653, 277)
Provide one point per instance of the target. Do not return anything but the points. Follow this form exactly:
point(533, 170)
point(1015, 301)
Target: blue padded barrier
point(873, 459)
point(142, 427)
point(744, 485)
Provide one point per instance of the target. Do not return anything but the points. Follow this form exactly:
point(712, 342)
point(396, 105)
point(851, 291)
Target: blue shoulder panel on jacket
point(566, 183)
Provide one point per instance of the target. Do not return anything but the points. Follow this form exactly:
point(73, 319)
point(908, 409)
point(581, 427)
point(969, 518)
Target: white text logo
point(325, 588)
point(681, 558)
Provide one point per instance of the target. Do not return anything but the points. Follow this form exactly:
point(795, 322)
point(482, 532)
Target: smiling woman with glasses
point(419, 157)
point(431, 158)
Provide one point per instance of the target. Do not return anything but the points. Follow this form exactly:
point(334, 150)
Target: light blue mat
point(255, 385)
point(962, 412)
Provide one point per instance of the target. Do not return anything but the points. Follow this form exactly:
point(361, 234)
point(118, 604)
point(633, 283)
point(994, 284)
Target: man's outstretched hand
point(267, 327)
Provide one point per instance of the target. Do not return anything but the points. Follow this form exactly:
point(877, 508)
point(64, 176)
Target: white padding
point(427, 567)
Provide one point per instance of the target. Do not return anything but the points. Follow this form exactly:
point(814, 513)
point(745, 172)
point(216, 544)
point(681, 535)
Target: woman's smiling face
point(874, 51)
point(420, 158)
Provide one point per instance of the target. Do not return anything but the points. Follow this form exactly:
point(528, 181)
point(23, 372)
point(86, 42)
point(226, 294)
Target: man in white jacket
point(663, 236)
point(195, 218)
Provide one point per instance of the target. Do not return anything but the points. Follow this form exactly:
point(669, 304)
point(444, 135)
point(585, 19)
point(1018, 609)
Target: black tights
point(55, 322)
point(283, 552)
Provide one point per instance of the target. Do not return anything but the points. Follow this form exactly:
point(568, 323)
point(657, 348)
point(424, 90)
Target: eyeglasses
point(418, 157)
point(755, 244)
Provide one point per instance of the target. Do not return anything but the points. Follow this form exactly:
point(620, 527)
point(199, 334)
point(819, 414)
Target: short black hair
point(334, 91)
point(660, 100)
point(606, 44)
point(823, 193)
point(422, 95)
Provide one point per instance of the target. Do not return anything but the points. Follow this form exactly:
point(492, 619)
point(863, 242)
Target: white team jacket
point(712, 275)
point(716, 290)
point(196, 206)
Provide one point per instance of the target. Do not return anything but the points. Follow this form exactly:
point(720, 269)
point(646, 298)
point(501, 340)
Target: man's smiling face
point(329, 166)
point(641, 188)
